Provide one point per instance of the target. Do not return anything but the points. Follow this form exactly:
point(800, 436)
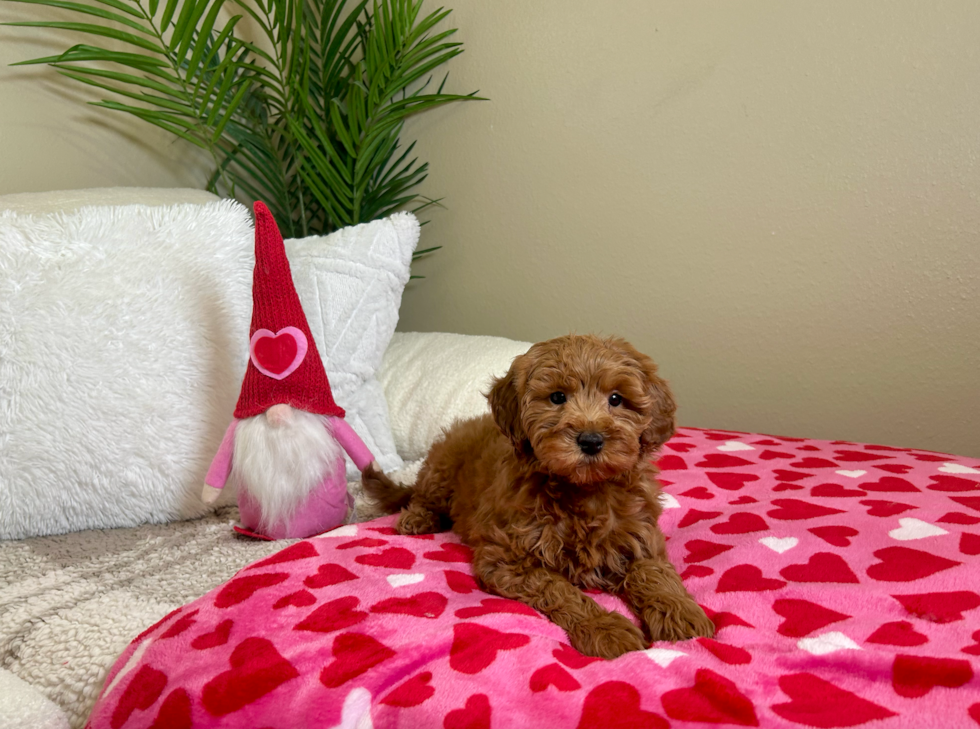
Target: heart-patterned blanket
point(843, 580)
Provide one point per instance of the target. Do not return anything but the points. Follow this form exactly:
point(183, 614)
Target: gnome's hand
point(210, 494)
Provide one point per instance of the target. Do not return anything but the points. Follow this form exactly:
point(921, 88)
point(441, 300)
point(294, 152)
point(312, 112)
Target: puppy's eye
point(615, 399)
point(557, 398)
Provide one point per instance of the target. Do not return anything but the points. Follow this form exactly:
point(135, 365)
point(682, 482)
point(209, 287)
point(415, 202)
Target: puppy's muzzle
point(590, 442)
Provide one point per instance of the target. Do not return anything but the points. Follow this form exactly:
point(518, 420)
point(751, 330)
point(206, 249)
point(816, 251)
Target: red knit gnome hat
point(283, 364)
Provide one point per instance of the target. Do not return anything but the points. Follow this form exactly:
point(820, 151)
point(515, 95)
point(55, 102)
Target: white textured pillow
point(121, 357)
point(123, 342)
point(431, 380)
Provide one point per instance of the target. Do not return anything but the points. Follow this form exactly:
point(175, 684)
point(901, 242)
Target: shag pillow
point(432, 379)
point(123, 342)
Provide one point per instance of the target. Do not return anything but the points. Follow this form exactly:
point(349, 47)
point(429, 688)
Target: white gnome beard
point(279, 466)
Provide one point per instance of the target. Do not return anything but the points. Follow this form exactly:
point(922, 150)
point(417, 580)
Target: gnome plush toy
point(285, 447)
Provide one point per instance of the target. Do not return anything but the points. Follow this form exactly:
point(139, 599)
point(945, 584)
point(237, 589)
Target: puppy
point(555, 492)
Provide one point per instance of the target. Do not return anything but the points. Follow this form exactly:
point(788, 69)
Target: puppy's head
point(588, 409)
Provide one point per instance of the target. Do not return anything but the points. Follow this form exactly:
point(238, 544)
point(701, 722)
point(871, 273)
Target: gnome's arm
point(220, 468)
point(351, 442)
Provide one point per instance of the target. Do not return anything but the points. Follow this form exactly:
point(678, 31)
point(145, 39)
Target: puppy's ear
point(505, 406)
point(662, 407)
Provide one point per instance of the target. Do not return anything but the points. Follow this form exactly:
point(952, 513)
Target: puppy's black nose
point(590, 443)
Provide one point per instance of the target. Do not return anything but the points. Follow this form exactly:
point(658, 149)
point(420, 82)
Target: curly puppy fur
point(555, 492)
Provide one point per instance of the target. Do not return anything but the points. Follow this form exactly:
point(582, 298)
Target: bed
point(842, 578)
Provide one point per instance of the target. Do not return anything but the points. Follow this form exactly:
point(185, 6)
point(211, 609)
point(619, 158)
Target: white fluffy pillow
point(123, 342)
point(432, 379)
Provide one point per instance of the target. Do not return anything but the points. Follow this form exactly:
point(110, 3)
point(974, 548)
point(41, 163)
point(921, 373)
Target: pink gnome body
point(285, 448)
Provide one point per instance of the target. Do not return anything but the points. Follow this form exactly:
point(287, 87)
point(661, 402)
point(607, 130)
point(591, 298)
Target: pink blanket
point(843, 580)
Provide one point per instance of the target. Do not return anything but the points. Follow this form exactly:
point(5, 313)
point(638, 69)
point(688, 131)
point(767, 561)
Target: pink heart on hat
point(277, 355)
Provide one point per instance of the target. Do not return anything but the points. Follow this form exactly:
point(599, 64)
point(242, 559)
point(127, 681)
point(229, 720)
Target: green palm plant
point(306, 115)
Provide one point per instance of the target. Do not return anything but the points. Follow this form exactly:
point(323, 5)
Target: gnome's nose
point(278, 415)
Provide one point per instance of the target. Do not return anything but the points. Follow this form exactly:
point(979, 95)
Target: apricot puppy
point(555, 491)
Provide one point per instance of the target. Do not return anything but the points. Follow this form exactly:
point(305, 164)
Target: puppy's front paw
point(607, 636)
point(416, 519)
point(681, 620)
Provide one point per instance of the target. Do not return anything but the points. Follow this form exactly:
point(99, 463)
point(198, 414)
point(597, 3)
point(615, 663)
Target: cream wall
point(777, 201)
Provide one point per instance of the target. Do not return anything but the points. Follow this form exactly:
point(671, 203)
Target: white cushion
point(24, 707)
point(123, 342)
point(431, 380)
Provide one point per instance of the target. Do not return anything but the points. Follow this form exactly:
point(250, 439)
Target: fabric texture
point(431, 380)
point(282, 367)
point(842, 579)
point(350, 283)
point(121, 351)
point(24, 707)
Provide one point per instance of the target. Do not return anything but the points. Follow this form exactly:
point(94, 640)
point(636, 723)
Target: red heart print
point(354, 654)
point(788, 487)
point(391, 531)
point(970, 544)
point(796, 510)
point(952, 484)
point(423, 605)
point(767, 442)
point(180, 625)
point(790, 476)
point(278, 355)
point(929, 457)
point(973, 650)
point(956, 517)
point(915, 676)
point(475, 646)
point(768, 455)
point(698, 492)
point(257, 669)
point(553, 675)
point(724, 620)
point(722, 460)
point(722, 435)
point(811, 463)
point(396, 558)
point(897, 633)
point(700, 550)
point(218, 636)
point(460, 582)
point(697, 570)
point(731, 481)
point(680, 447)
point(848, 456)
point(939, 607)
point(886, 508)
point(300, 550)
point(974, 712)
point(300, 598)
point(571, 657)
point(822, 567)
point(334, 615)
point(747, 578)
point(175, 711)
point(451, 552)
point(899, 468)
point(803, 617)
point(816, 702)
point(491, 605)
point(329, 574)
point(141, 693)
point(241, 589)
point(713, 699)
point(741, 522)
point(730, 654)
point(412, 692)
point(616, 705)
point(835, 491)
point(902, 564)
point(890, 484)
point(671, 462)
point(363, 542)
point(970, 502)
point(475, 715)
point(743, 500)
point(693, 516)
point(839, 536)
